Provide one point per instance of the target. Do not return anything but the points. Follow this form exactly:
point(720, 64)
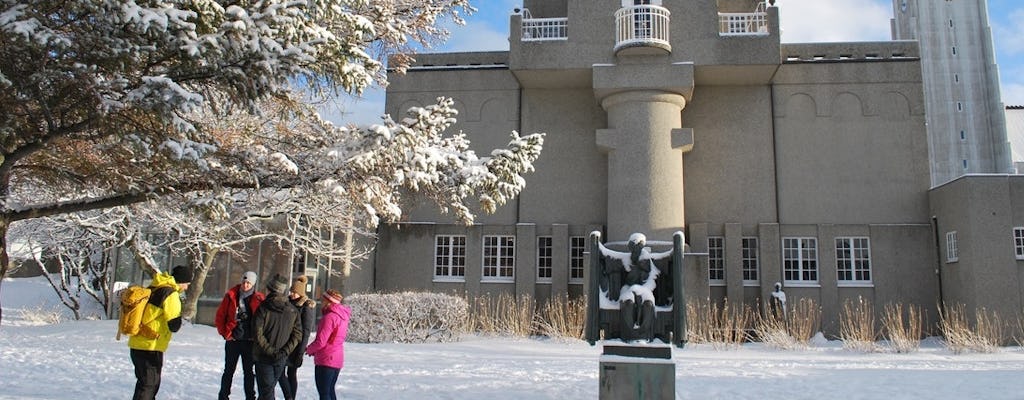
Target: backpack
point(133, 310)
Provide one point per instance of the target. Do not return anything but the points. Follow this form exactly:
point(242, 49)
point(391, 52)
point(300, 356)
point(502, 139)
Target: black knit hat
point(277, 284)
point(182, 274)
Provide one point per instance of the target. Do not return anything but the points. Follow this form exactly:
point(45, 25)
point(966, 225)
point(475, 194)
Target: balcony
point(642, 26)
point(543, 29)
point(744, 24)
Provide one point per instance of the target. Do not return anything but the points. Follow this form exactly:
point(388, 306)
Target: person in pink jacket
point(328, 348)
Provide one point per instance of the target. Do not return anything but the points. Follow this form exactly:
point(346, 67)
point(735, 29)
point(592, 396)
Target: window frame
point(504, 258)
point(450, 257)
point(751, 261)
point(1018, 242)
point(716, 260)
point(577, 259)
point(806, 266)
point(952, 251)
point(857, 260)
point(545, 258)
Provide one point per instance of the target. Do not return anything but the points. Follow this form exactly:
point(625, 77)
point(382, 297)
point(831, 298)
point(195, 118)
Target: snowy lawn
point(81, 360)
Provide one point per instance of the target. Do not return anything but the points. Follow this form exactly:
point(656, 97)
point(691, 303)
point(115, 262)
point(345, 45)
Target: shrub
point(406, 317)
point(904, 333)
point(984, 337)
point(721, 326)
point(857, 325)
point(792, 330)
point(503, 314)
point(562, 317)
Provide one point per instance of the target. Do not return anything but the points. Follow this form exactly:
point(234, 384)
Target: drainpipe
point(938, 263)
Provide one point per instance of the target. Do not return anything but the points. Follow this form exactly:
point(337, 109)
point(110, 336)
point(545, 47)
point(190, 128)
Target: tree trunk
point(188, 310)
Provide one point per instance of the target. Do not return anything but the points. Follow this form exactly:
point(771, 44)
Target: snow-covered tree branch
point(151, 106)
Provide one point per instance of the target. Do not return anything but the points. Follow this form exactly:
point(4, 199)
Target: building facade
point(967, 131)
point(805, 164)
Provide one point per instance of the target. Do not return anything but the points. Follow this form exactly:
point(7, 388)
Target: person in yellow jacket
point(162, 315)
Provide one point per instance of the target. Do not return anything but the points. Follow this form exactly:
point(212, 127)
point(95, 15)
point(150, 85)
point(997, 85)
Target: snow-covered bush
point(406, 317)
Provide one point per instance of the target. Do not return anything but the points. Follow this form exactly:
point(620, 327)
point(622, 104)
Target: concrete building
point(1015, 133)
point(966, 130)
point(804, 164)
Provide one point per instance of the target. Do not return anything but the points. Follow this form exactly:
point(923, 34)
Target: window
point(800, 260)
point(964, 162)
point(716, 260)
point(853, 259)
point(544, 259)
point(956, 78)
point(450, 257)
point(954, 50)
point(499, 258)
point(1018, 242)
point(951, 253)
point(750, 264)
point(577, 244)
point(963, 135)
point(959, 106)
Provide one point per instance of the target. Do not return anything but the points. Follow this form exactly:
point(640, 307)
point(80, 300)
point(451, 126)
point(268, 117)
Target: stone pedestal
point(637, 372)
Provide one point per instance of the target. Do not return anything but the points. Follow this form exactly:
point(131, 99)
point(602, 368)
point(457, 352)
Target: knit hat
point(277, 284)
point(182, 274)
point(299, 286)
point(250, 277)
point(332, 295)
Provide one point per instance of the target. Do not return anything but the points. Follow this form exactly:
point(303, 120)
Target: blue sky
point(801, 21)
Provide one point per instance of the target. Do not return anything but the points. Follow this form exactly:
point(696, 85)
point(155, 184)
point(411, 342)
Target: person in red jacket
point(328, 348)
point(234, 323)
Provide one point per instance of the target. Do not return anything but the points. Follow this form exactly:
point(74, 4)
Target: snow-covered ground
point(81, 360)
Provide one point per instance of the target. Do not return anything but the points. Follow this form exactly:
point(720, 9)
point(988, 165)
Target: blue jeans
point(326, 378)
point(267, 376)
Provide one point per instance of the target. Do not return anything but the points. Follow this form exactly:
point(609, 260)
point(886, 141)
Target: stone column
point(644, 98)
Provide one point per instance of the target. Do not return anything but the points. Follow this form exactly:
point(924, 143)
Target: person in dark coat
point(277, 332)
point(307, 316)
point(234, 322)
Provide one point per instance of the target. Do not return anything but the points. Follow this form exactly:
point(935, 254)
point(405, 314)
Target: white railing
point(641, 25)
point(744, 24)
point(537, 29)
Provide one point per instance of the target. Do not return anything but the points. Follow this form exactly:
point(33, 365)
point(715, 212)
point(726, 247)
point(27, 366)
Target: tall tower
point(964, 112)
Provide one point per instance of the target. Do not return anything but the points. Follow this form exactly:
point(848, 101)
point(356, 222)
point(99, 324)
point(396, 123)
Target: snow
point(81, 359)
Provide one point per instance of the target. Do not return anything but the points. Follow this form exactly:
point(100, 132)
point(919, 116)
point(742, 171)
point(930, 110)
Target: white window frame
point(545, 258)
point(1018, 242)
point(854, 259)
point(751, 261)
point(498, 262)
point(952, 253)
point(716, 260)
point(450, 258)
point(800, 261)
point(577, 258)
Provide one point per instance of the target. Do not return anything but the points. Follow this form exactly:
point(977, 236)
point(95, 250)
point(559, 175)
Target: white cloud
point(805, 21)
point(1008, 28)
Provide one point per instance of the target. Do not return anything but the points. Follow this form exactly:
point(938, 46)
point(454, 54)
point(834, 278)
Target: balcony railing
point(642, 25)
point(540, 29)
point(744, 24)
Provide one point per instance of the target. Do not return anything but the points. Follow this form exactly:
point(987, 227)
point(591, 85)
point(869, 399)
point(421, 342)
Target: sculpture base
point(637, 372)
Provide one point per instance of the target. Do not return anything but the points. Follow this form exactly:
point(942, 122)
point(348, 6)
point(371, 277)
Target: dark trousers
point(267, 376)
point(290, 382)
point(148, 365)
point(326, 378)
point(233, 350)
